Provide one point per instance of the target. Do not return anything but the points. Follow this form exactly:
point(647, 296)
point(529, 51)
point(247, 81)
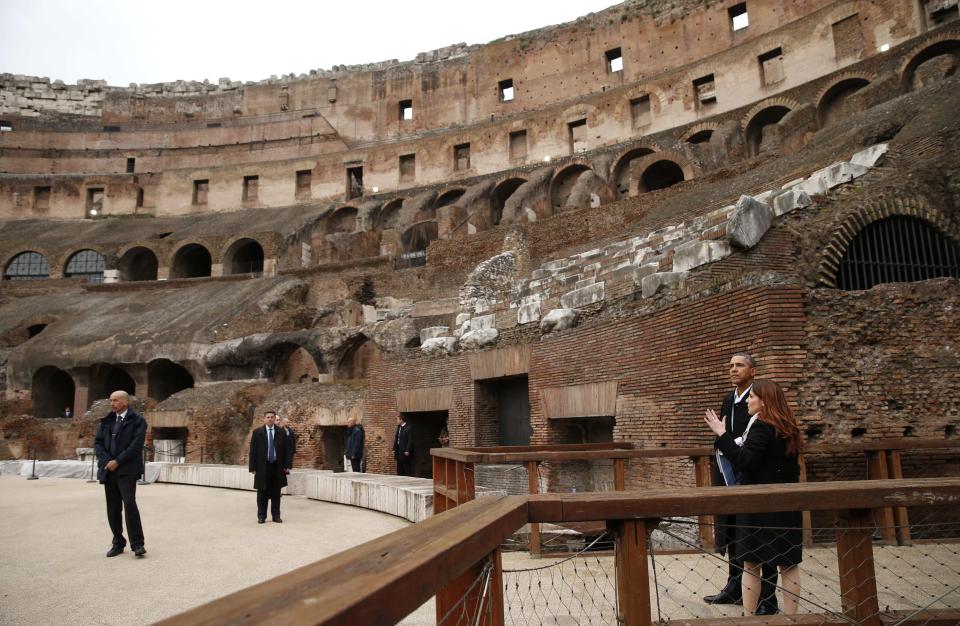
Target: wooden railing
point(453, 473)
point(382, 581)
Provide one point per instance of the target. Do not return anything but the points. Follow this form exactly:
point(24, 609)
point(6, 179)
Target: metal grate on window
point(27, 266)
point(86, 264)
point(897, 249)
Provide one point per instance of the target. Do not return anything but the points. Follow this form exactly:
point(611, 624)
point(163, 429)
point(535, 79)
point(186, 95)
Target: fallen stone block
point(483, 321)
point(439, 345)
point(652, 284)
point(558, 319)
point(433, 332)
point(528, 313)
point(696, 253)
point(749, 223)
point(582, 297)
point(479, 338)
point(868, 157)
point(461, 318)
point(841, 173)
point(643, 271)
point(789, 200)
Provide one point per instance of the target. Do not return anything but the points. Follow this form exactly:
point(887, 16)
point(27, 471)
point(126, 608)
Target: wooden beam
point(533, 481)
point(858, 582)
point(587, 400)
point(703, 478)
point(877, 465)
point(807, 522)
point(633, 577)
point(934, 617)
point(900, 515)
point(619, 475)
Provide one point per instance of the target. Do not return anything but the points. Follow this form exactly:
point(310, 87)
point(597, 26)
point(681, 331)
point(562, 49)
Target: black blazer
point(291, 444)
point(129, 444)
point(257, 461)
point(739, 412)
point(403, 442)
point(762, 459)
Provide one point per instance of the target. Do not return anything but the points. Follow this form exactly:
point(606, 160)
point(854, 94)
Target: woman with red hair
point(767, 453)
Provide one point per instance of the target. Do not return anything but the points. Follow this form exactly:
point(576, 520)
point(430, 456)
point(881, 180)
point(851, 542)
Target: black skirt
point(774, 538)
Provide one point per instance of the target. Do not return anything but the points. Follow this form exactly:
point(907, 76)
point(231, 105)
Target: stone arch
point(190, 260)
point(563, 181)
point(766, 113)
point(293, 364)
point(448, 197)
point(944, 44)
point(356, 362)
point(700, 133)
point(343, 220)
point(671, 168)
point(105, 378)
point(26, 265)
point(389, 215)
point(830, 99)
point(52, 390)
point(846, 229)
point(85, 263)
point(243, 256)
point(621, 172)
point(165, 378)
point(416, 238)
point(138, 263)
point(500, 194)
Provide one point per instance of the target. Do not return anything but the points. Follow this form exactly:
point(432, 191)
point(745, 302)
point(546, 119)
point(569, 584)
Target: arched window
point(27, 266)
point(86, 264)
point(897, 249)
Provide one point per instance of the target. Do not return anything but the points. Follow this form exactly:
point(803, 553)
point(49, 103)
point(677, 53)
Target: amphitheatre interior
point(556, 237)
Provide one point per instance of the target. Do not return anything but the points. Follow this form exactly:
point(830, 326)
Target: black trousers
point(355, 465)
point(272, 493)
point(405, 466)
point(121, 492)
point(768, 579)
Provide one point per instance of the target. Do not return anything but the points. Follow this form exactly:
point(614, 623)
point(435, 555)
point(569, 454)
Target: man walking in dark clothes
point(269, 463)
point(403, 448)
point(291, 438)
point(743, 369)
point(119, 449)
point(354, 450)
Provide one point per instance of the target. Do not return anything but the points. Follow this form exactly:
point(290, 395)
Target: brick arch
point(949, 41)
point(698, 128)
point(448, 190)
point(850, 226)
point(380, 215)
point(65, 257)
point(836, 83)
point(261, 238)
point(142, 243)
point(560, 175)
point(576, 111)
point(689, 168)
point(623, 160)
point(227, 256)
point(778, 101)
point(181, 245)
point(656, 94)
point(339, 211)
point(54, 269)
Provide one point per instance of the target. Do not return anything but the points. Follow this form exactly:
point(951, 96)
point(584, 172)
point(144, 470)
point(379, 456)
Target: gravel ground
point(202, 543)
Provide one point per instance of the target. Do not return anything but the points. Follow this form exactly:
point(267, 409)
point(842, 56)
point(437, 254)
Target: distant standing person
point(269, 463)
point(119, 449)
point(291, 439)
point(403, 448)
point(67, 413)
point(354, 444)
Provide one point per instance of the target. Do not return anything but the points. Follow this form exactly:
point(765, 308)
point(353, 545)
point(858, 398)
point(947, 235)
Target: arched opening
point(86, 264)
point(757, 130)
point(165, 378)
point(704, 136)
point(35, 329)
point(344, 220)
point(27, 266)
point(448, 197)
point(357, 361)
point(292, 364)
point(835, 103)
point(661, 175)
point(138, 264)
point(414, 242)
point(105, 379)
point(897, 249)
point(191, 261)
point(498, 198)
point(244, 256)
point(52, 392)
point(389, 215)
point(931, 64)
point(563, 184)
point(623, 170)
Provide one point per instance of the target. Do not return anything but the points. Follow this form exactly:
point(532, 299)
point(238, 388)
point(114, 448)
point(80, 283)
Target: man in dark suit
point(354, 450)
point(269, 462)
point(291, 438)
point(403, 448)
point(742, 369)
point(119, 448)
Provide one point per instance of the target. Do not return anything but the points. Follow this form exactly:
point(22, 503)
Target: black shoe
point(723, 598)
point(261, 520)
point(139, 551)
point(278, 520)
point(767, 608)
point(114, 551)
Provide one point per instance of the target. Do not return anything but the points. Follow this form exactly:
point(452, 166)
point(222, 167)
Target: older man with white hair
point(119, 449)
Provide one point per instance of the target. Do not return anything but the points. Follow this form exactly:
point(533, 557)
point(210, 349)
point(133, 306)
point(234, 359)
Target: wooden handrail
point(379, 582)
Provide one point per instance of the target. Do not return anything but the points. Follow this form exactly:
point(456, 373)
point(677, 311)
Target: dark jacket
point(128, 448)
point(355, 443)
point(724, 527)
point(291, 444)
point(403, 442)
point(762, 459)
point(257, 461)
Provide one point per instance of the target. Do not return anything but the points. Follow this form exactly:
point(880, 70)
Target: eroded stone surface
point(558, 319)
point(749, 223)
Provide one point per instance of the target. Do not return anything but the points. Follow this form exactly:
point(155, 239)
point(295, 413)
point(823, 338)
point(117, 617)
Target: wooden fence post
point(884, 516)
point(858, 582)
point(702, 476)
point(633, 577)
point(807, 523)
point(902, 519)
point(534, 483)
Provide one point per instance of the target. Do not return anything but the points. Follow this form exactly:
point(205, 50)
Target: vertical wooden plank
point(475, 602)
point(807, 524)
point(858, 583)
point(701, 472)
point(496, 590)
point(450, 480)
point(619, 477)
point(439, 474)
point(466, 487)
point(534, 486)
point(633, 577)
point(901, 518)
point(884, 516)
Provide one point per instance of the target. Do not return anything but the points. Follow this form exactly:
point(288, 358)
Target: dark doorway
point(502, 407)
point(244, 257)
point(105, 379)
point(426, 434)
point(191, 261)
point(52, 392)
point(138, 264)
point(165, 378)
point(661, 175)
point(334, 440)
